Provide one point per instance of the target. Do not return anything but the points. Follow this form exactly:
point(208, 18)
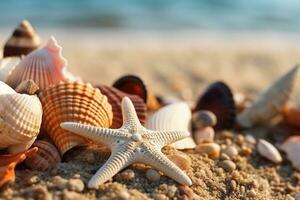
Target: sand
point(180, 66)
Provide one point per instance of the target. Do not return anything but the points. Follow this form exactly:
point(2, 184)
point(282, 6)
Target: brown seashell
point(291, 114)
point(212, 150)
point(182, 160)
point(115, 97)
point(23, 40)
point(132, 84)
point(218, 99)
point(74, 102)
point(27, 87)
point(47, 158)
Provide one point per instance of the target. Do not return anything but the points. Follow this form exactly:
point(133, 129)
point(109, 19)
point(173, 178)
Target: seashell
point(270, 102)
point(268, 151)
point(47, 158)
point(44, 66)
point(27, 87)
point(115, 97)
point(9, 162)
point(20, 121)
point(7, 65)
point(132, 84)
point(5, 89)
point(204, 118)
point(175, 116)
point(291, 114)
point(291, 147)
point(205, 134)
point(212, 150)
point(23, 40)
point(182, 160)
point(74, 102)
point(218, 99)
point(242, 101)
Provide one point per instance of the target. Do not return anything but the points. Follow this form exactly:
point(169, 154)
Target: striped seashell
point(73, 102)
point(23, 40)
point(115, 97)
point(175, 116)
point(47, 158)
point(7, 65)
point(270, 102)
point(20, 121)
point(44, 66)
point(291, 147)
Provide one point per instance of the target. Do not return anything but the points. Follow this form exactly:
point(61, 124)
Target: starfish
point(130, 144)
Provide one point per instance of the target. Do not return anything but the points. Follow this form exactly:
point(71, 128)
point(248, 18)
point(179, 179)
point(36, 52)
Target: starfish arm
point(130, 118)
point(108, 136)
point(163, 138)
point(116, 162)
point(158, 160)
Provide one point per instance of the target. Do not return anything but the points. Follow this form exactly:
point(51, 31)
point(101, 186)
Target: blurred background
point(178, 47)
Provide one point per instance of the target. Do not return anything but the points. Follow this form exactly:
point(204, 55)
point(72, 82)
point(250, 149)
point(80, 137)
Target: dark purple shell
point(218, 99)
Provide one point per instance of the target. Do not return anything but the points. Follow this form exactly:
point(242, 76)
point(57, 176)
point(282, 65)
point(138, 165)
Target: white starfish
point(130, 144)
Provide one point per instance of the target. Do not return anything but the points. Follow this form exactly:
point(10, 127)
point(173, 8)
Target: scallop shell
point(270, 102)
point(132, 84)
point(218, 99)
point(115, 97)
point(74, 102)
point(44, 66)
point(7, 65)
point(292, 148)
point(20, 121)
point(47, 158)
point(175, 116)
point(9, 162)
point(5, 89)
point(23, 40)
point(268, 151)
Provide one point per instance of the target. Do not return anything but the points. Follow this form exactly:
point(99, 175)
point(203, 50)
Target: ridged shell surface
point(5, 89)
point(20, 121)
point(115, 97)
point(7, 65)
point(270, 102)
point(44, 66)
point(175, 116)
point(73, 102)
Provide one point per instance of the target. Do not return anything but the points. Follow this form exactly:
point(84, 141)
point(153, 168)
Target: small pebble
point(224, 156)
point(204, 118)
point(250, 139)
point(231, 151)
point(126, 175)
point(76, 185)
point(252, 193)
point(153, 175)
point(240, 139)
point(268, 151)
point(157, 196)
point(123, 195)
point(245, 151)
point(206, 134)
point(60, 182)
point(297, 196)
point(211, 149)
point(182, 160)
point(227, 165)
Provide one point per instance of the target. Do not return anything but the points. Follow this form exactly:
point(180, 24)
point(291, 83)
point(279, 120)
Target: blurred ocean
point(161, 15)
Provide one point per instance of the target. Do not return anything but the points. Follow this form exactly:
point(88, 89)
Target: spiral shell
point(73, 102)
point(44, 66)
point(47, 158)
point(20, 120)
point(23, 40)
point(115, 97)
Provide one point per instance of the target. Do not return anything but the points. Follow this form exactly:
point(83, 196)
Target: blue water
point(169, 15)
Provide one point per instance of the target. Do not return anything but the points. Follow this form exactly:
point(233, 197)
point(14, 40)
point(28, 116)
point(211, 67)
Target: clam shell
point(20, 121)
point(115, 97)
point(23, 40)
point(175, 116)
point(7, 65)
point(74, 102)
point(218, 99)
point(270, 102)
point(44, 66)
point(268, 151)
point(292, 148)
point(47, 158)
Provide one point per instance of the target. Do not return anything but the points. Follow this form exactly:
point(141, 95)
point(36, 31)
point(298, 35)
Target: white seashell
point(7, 65)
point(5, 89)
point(204, 134)
point(176, 116)
point(270, 102)
point(268, 151)
point(292, 148)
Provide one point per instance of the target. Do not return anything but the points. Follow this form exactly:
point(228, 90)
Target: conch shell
point(74, 102)
point(20, 119)
point(7, 65)
point(270, 102)
point(23, 40)
point(176, 116)
point(9, 162)
point(115, 97)
point(44, 66)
